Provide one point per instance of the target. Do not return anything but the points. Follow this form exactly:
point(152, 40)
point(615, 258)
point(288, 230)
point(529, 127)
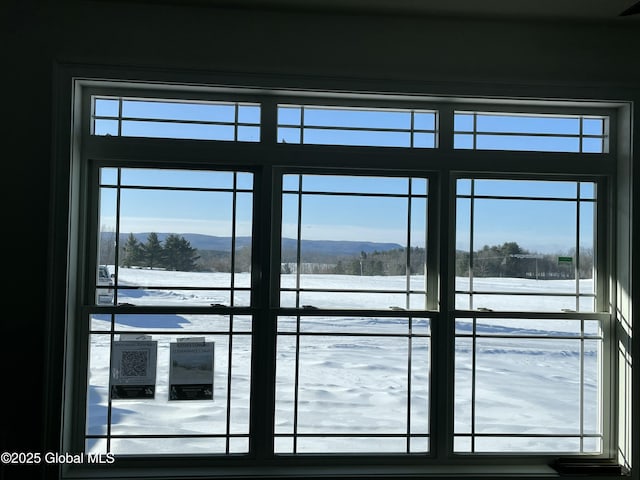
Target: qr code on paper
point(134, 363)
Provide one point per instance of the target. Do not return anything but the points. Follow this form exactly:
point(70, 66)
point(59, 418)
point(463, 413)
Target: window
point(275, 281)
point(162, 269)
point(378, 363)
point(198, 120)
point(498, 358)
point(374, 127)
point(530, 132)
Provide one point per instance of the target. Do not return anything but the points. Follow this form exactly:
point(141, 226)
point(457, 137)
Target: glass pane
point(98, 384)
point(592, 358)
point(527, 124)
point(420, 368)
point(464, 142)
point(325, 125)
point(289, 115)
point(527, 143)
point(520, 327)
point(339, 378)
point(463, 122)
point(195, 120)
point(355, 300)
point(288, 135)
point(528, 444)
point(463, 385)
point(249, 114)
point(354, 367)
point(528, 132)
point(178, 111)
point(593, 126)
point(353, 184)
point(351, 444)
point(520, 377)
point(337, 117)
point(424, 121)
point(131, 128)
point(344, 244)
point(513, 397)
point(525, 188)
point(106, 107)
point(592, 145)
point(227, 410)
point(424, 140)
point(356, 137)
point(176, 178)
point(157, 266)
point(516, 245)
point(106, 127)
point(527, 227)
point(248, 134)
point(527, 303)
point(384, 325)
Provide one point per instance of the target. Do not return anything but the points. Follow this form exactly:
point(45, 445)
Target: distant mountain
point(338, 247)
point(309, 247)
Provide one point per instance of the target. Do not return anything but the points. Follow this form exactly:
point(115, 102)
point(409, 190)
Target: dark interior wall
point(464, 55)
point(26, 138)
point(404, 48)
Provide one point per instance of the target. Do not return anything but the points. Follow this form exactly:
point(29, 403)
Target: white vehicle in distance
point(105, 279)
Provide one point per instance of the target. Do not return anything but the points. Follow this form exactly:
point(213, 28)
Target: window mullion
point(263, 347)
point(445, 128)
point(443, 331)
point(264, 288)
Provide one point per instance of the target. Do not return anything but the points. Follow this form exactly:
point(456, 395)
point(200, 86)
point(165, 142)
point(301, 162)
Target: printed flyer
point(133, 368)
point(191, 370)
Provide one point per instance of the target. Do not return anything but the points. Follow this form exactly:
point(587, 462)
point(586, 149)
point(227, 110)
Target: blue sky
point(535, 223)
point(538, 223)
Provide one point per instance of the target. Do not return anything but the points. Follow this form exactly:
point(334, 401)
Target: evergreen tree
point(178, 254)
point(132, 254)
point(152, 251)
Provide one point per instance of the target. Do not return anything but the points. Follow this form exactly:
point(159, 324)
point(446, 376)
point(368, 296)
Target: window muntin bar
point(497, 230)
point(178, 236)
point(375, 127)
point(378, 398)
point(307, 442)
point(133, 427)
point(353, 244)
point(195, 120)
point(530, 132)
point(502, 395)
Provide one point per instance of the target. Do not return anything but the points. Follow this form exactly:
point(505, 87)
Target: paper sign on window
point(191, 370)
point(133, 368)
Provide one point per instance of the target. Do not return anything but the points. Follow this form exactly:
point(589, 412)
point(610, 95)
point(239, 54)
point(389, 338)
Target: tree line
point(506, 260)
point(510, 260)
point(175, 253)
point(387, 262)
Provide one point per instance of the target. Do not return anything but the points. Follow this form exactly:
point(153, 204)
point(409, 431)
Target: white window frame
point(76, 266)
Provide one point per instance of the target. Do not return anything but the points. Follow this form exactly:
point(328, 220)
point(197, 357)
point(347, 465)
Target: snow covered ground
point(350, 386)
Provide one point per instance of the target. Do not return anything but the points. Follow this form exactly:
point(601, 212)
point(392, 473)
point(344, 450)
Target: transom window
point(530, 132)
point(376, 127)
point(164, 118)
point(282, 278)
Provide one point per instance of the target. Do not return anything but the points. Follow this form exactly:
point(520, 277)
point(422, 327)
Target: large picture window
point(286, 280)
